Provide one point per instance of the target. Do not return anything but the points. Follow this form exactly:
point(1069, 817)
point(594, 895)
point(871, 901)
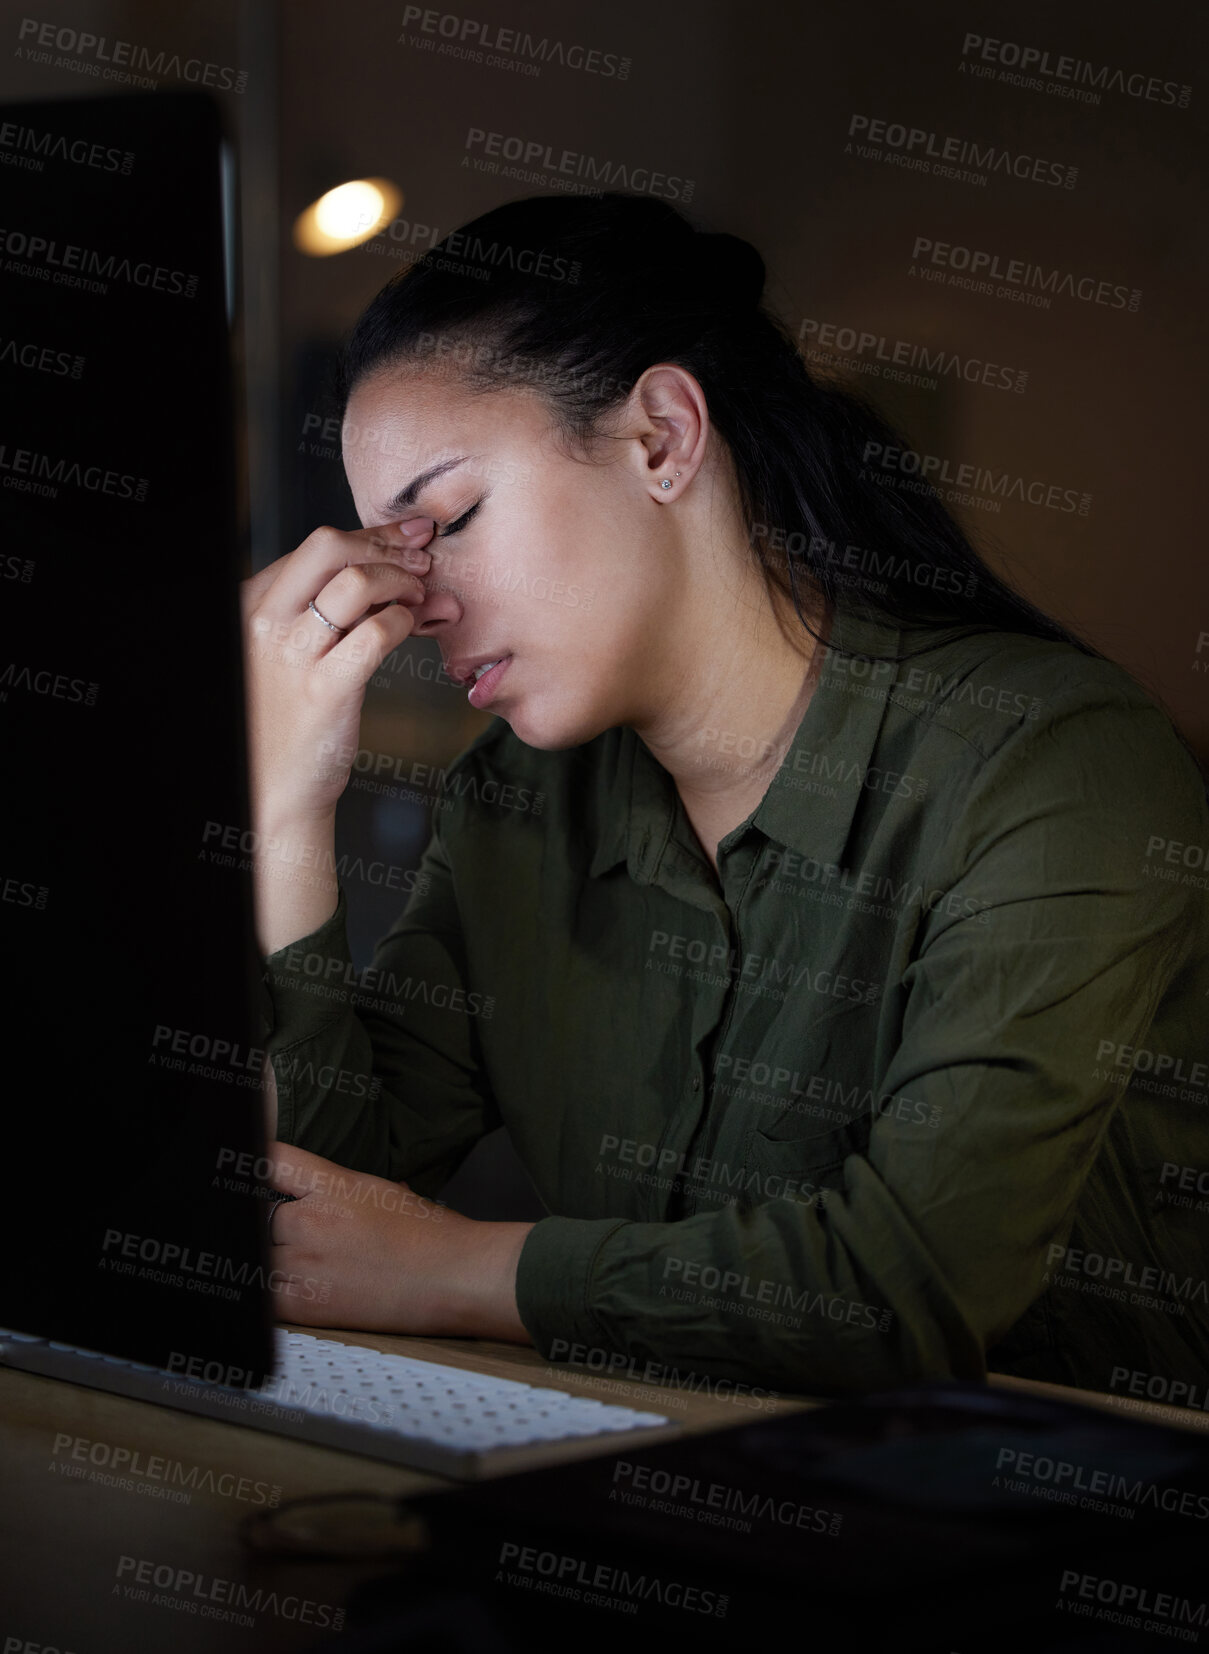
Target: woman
point(807, 907)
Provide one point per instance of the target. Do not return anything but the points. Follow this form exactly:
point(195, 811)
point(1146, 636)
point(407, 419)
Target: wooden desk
point(64, 1536)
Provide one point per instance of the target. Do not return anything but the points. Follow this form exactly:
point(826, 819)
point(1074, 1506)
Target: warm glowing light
point(346, 211)
point(346, 216)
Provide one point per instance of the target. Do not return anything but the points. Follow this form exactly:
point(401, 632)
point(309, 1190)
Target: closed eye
point(456, 528)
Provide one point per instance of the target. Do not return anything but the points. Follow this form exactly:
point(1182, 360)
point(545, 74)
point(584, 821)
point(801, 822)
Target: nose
point(440, 607)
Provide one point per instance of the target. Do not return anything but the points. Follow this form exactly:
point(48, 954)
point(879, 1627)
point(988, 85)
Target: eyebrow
point(409, 495)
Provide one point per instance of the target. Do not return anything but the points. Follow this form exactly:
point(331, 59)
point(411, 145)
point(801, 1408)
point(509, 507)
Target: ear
point(670, 420)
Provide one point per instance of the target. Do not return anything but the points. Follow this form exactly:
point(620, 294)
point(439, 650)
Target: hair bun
point(732, 271)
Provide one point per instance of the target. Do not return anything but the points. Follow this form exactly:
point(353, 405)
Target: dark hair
point(578, 295)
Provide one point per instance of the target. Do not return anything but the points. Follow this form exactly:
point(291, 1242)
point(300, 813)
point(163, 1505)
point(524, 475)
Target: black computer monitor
point(129, 956)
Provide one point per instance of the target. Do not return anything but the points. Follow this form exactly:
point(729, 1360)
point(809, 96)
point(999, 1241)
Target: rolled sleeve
point(555, 1281)
point(293, 1011)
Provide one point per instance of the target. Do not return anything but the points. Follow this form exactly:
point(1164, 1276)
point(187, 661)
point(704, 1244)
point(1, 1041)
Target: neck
point(732, 699)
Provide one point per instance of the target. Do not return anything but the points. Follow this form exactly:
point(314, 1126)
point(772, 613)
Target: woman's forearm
point(295, 882)
point(392, 1260)
point(483, 1303)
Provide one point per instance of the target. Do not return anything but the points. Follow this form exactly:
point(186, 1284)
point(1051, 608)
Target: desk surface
point(64, 1535)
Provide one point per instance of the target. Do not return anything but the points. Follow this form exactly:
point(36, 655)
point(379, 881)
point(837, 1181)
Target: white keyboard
point(416, 1413)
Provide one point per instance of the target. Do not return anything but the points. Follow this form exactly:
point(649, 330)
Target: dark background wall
point(754, 104)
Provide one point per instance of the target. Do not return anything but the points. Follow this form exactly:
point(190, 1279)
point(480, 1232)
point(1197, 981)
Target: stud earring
point(667, 482)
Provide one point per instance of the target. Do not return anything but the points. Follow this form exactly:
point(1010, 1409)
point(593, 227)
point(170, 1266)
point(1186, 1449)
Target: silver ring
point(281, 1199)
point(331, 625)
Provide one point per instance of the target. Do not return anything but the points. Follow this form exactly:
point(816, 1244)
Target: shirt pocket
point(799, 1157)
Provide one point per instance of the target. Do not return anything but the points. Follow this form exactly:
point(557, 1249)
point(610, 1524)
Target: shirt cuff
point(306, 985)
point(554, 1282)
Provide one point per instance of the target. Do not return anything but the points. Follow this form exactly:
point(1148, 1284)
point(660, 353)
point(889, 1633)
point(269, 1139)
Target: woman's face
point(565, 570)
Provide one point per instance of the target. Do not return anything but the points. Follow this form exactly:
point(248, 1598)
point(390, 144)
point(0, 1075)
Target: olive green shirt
point(915, 1086)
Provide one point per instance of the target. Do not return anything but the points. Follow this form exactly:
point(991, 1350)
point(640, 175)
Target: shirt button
point(696, 1082)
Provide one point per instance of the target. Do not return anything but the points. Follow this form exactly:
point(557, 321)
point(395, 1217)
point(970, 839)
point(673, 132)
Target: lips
point(482, 691)
point(468, 670)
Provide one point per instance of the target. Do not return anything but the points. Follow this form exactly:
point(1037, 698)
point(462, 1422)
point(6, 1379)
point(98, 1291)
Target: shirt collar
point(812, 797)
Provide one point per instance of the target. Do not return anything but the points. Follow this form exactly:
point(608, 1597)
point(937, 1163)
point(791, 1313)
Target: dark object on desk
point(920, 1519)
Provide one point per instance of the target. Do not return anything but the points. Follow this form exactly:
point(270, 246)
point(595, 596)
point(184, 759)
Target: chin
point(552, 728)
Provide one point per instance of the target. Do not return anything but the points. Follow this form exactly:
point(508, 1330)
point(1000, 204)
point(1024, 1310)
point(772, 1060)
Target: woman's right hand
point(305, 688)
point(306, 682)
